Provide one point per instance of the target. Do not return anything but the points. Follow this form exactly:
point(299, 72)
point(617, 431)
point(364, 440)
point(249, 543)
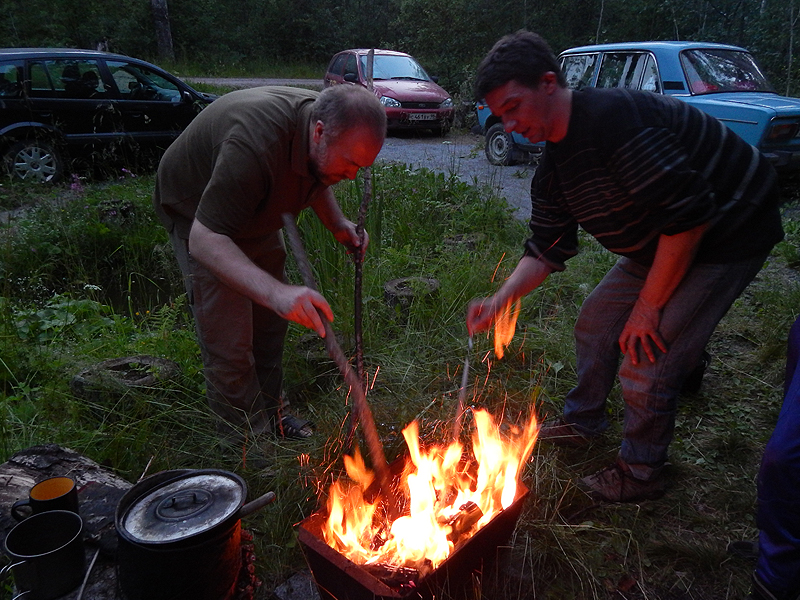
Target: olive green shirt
point(240, 164)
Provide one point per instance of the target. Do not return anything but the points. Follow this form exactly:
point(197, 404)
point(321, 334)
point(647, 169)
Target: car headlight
point(387, 101)
point(782, 132)
point(447, 103)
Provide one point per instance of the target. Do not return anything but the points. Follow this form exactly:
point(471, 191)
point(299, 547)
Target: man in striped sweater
point(692, 212)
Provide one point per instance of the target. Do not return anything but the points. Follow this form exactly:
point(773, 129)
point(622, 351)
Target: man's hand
point(303, 306)
point(481, 314)
point(674, 257)
point(527, 276)
point(642, 328)
point(348, 237)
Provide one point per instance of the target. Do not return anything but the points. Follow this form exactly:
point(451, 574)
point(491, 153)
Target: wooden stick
point(358, 258)
point(462, 392)
point(335, 352)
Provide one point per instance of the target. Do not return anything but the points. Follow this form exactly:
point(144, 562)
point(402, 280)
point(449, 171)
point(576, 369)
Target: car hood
point(774, 102)
point(405, 90)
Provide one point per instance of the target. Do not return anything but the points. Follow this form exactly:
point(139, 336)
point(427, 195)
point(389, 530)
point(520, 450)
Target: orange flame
point(438, 486)
point(504, 327)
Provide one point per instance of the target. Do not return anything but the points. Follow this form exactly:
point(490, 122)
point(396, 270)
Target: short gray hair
point(347, 106)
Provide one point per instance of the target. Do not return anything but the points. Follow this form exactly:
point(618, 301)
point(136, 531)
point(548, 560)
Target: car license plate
point(422, 116)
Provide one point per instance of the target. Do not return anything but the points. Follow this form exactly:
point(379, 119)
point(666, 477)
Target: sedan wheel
point(498, 145)
point(34, 161)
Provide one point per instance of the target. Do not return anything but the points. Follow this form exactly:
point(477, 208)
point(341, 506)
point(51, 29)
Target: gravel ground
point(462, 155)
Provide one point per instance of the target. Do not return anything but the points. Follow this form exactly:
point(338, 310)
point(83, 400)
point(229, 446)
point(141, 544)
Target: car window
point(67, 78)
point(351, 66)
point(578, 69)
point(337, 68)
point(622, 70)
point(650, 79)
point(137, 82)
point(395, 67)
point(10, 79)
point(722, 71)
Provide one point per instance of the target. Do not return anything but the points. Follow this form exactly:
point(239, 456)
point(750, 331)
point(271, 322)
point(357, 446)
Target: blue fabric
point(650, 391)
point(778, 515)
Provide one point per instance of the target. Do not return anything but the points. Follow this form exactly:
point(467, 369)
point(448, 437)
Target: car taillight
point(783, 132)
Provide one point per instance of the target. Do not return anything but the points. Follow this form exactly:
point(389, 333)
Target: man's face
point(340, 158)
point(527, 111)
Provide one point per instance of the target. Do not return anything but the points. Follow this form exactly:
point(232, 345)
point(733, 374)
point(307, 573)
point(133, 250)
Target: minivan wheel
point(498, 145)
point(32, 160)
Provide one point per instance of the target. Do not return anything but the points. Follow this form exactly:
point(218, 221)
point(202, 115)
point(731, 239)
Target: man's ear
point(549, 81)
point(319, 129)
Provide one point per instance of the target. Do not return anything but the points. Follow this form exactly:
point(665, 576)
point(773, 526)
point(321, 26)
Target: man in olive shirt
point(221, 190)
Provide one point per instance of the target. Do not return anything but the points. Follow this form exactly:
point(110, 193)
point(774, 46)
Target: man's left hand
point(642, 328)
point(348, 237)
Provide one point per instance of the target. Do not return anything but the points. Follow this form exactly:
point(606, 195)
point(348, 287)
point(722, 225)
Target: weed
point(79, 285)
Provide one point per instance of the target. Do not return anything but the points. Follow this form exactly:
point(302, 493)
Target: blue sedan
point(722, 80)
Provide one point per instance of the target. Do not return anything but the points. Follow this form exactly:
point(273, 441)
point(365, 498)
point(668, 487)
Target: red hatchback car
point(412, 98)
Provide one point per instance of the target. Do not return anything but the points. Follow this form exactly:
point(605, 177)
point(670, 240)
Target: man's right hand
point(220, 255)
point(303, 306)
point(527, 276)
point(481, 314)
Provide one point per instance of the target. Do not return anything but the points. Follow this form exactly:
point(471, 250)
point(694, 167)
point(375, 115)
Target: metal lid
point(184, 507)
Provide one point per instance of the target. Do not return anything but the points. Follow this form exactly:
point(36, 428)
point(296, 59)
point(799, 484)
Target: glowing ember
point(448, 499)
point(504, 327)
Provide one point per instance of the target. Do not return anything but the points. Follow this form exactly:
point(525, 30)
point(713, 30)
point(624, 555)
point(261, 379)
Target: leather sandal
point(291, 427)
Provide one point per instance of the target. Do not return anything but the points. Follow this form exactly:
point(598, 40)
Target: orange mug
point(55, 493)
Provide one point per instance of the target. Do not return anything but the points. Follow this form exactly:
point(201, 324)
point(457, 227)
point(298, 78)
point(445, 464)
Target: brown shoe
point(617, 484)
point(561, 433)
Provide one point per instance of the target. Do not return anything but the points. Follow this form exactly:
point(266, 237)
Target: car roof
point(653, 45)
point(362, 51)
point(64, 53)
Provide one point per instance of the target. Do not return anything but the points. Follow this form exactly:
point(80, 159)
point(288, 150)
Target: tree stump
point(402, 292)
point(118, 376)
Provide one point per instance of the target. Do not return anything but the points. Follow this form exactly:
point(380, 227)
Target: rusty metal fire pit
point(338, 578)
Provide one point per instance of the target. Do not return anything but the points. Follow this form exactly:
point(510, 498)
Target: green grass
point(277, 69)
point(79, 285)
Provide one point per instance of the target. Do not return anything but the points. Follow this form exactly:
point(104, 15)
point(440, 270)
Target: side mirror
point(351, 77)
point(186, 97)
point(435, 78)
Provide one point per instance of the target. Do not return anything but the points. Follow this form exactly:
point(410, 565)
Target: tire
point(32, 160)
point(499, 146)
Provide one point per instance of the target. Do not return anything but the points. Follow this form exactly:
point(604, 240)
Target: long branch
point(335, 352)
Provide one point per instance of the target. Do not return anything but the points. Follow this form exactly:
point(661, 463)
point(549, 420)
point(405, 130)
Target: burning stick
point(461, 393)
point(504, 326)
point(335, 352)
point(468, 515)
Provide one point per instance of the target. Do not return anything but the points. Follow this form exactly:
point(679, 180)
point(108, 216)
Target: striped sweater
point(635, 165)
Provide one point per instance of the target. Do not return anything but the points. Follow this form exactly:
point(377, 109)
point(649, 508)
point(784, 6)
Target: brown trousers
point(241, 342)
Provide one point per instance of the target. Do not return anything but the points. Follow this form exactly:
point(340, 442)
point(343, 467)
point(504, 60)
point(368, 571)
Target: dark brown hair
point(523, 57)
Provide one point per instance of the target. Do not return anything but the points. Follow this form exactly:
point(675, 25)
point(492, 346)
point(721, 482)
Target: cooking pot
point(179, 535)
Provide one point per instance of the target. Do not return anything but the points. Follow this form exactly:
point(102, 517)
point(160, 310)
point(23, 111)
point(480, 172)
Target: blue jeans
point(778, 515)
point(650, 390)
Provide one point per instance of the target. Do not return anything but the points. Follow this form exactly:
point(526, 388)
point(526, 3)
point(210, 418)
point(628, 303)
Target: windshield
point(394, 67)
point(711, 71)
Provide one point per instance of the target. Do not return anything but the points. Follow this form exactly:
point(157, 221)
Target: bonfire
point(448, 495)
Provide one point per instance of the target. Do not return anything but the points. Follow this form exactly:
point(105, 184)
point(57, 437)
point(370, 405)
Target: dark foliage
point(449, 39)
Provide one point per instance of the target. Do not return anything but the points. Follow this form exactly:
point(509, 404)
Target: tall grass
point(79, 285)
